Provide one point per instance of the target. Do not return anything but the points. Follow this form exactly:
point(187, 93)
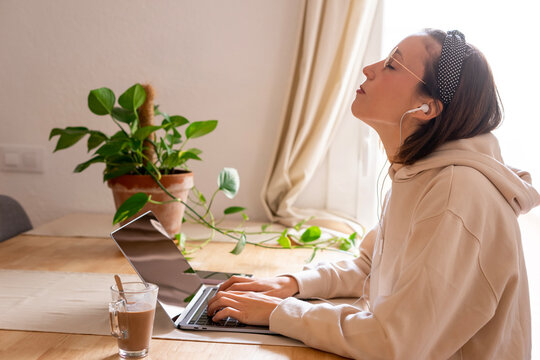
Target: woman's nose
point(369, 71)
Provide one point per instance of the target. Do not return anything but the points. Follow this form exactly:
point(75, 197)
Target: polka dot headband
point(452, 54)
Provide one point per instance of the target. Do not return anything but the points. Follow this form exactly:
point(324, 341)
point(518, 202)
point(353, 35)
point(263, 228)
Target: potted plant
point(142, 157)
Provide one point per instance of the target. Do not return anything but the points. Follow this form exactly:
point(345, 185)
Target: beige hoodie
point(448, 278)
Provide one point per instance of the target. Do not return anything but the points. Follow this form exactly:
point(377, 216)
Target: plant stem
point(152, 165)
point(136, 119)
point(267, 240)
point(121, 128)
point(298, 247)
point(183, 144)
point(251, 232)
point(227, 232)
point(210, 203)
point(195, 201)
point(191, 209)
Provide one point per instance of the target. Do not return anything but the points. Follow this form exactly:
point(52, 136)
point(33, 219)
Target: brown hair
point(475, 109)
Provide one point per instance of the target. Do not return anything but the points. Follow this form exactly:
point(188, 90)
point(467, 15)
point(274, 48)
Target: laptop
point(182, 293)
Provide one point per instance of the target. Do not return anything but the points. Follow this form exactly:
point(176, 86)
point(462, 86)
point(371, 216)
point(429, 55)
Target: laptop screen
point(157, 260)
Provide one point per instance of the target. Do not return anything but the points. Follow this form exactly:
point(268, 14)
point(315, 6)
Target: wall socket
point(21, 158)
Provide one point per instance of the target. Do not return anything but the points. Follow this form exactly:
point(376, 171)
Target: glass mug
point(131, 314)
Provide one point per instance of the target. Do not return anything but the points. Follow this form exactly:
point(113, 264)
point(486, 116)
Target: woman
point(442, 273)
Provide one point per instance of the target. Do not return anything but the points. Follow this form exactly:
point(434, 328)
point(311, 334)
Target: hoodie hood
point(484, 155)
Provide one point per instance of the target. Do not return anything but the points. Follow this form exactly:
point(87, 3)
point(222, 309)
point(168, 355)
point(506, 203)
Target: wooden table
point(100, 255)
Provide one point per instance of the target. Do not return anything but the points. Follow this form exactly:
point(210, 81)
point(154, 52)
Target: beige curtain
point(332, 44)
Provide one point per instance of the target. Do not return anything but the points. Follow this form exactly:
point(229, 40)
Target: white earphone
point(424, 108)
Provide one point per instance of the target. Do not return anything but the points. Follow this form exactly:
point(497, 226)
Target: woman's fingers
point(247, 307)
point(227, 312)
point(220, 300)
point(246, 286)
point(282, 286)
point(232, 280)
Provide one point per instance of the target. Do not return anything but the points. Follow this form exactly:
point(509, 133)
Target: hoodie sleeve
point(340, 279)
point(440, 300)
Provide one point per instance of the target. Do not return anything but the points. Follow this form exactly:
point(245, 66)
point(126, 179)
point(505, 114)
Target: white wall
point(226, 60)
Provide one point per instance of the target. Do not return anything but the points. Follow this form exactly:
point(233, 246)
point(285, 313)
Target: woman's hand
point(247, 307)
point(281, 286)
point(250, 301)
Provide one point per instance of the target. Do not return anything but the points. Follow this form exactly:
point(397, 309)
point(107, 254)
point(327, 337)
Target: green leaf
point(302, 222)
point(134, 126)
point(202, 199)
point(68, 137)
point(345, 244)
point(118, 159)
point(176, 133)
point(229, 182)
point(352, 237)
point(95, 139)
point(165, 146)
point(195, 151)
point(311, 234)
point(144, 132)
point(245, 217)
point(133, 97)
point(123, 115)
point(264, 227)
point(130, 207)
point(165, 123)
point(185, 155)
point(284, 240)
point(134, 145)
point(177, 158)
point(55, 132)
point(181, 157)
point(177, 121)
point(199, 128)
point(101, 101)
point(120, 135)
point(158, 112)
point(189, 298)
point(116, 171)
point(181, 241)
point(233, 210)
point(170, 161)
point(189, 271)
point(174, 138)
point(79, 168)
point(71, 130)
point(239, 245)
point(111, 148)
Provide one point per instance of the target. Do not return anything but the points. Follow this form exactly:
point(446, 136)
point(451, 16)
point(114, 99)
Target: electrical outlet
point(21, 158)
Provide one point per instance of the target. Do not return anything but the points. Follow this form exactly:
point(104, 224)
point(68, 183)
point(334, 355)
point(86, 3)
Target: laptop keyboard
point(204, 319)
point(201, 317)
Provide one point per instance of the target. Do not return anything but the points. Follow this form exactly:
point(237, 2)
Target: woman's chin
point(361, 115)
point(357, 111)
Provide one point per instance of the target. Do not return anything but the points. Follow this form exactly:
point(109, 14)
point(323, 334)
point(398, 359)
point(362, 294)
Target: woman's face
point(389, 91)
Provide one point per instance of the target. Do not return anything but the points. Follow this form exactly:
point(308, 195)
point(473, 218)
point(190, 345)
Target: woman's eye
point(388, 64)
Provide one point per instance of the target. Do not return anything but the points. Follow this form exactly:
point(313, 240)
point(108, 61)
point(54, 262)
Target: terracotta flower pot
point(170, 215)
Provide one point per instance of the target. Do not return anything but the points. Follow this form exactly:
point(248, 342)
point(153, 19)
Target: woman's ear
point(434, 110)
